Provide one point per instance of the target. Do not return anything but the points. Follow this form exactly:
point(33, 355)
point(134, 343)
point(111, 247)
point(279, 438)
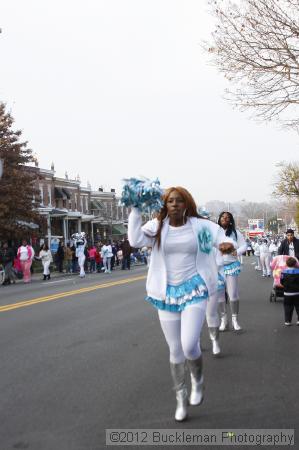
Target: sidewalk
point(39, 275)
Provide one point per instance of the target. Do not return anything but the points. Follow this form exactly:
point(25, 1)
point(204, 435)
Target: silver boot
point(195, 367)
point(179, 381)
point(223, 316)
point(214, 336)
point(234, 306)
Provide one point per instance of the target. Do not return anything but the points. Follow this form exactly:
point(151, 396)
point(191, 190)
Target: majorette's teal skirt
point(232, 269)
point(187, 293)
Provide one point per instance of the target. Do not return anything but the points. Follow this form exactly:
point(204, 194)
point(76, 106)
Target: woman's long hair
point(191, 210)
point(231, 227)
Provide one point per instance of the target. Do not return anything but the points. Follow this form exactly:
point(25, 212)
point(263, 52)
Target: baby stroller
point(278, 264)
point(277, 292)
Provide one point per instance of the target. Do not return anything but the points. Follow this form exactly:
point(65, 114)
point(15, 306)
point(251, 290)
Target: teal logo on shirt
point(205, 240)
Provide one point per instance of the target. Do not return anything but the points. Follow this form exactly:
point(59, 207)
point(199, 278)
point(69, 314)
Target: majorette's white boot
point(195, 367)
point(234, 306)
point(214, 336)
point(223, 317)
point(178, 376)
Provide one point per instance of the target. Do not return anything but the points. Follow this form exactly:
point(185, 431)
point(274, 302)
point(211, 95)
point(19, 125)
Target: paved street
point(74, 364)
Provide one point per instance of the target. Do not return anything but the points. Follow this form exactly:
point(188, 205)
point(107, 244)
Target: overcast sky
point(121, 88)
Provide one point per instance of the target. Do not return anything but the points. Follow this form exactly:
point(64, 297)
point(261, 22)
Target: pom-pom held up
point(145, 194)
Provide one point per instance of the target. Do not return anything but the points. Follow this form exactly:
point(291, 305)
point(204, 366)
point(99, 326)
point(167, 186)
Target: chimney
point(112, 190)
point(101, 189)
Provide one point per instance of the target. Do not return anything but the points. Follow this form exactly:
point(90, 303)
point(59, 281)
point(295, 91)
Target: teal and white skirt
point(232, 269)
point(221, 282)
point(178, 297)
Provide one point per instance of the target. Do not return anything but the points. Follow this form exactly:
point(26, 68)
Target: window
point(41, 190)
point(49, 196)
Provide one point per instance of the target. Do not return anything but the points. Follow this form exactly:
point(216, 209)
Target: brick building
point(69, 208)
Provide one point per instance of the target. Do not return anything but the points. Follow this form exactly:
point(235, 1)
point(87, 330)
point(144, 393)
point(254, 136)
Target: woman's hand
point(227, 248)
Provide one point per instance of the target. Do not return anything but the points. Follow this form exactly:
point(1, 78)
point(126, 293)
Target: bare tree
point(287, 181)
point(256, 46)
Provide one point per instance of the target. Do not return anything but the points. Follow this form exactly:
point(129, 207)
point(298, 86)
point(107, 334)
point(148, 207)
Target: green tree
point(18, 195)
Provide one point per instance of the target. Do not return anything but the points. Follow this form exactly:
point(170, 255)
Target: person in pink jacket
point(92, 258)
point(25, 256)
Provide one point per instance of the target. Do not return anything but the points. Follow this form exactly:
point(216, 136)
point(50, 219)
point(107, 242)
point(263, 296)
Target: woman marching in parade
point(80, 244)
point(212, 315)
point(230, 268)
point(182, 274)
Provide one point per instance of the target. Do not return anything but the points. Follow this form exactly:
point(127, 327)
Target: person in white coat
point(273, 249)
point(106, 252)
point(181, 277)
point(256, 248)
point(230, 268)
point(80, 242)
point(265, 257)
point(46, 258)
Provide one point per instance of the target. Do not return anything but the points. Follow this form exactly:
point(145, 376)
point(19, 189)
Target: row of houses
point(69, 207)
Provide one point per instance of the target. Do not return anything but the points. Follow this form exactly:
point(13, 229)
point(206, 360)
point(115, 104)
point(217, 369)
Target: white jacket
point(208, 234)
point(264, 250)
point(256, 249)
point(106, 251)
point(45, 255)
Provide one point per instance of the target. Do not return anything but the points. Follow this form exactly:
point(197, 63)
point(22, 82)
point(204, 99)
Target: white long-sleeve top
point(256, 248)
point(106, 251)
point(26, 252)
point(45, 255)
point(264, 249)
point(207, 234)
point(240, 245)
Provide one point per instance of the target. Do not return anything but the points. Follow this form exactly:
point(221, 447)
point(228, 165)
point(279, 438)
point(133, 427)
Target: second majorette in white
point(181, 277)
point(230, 268)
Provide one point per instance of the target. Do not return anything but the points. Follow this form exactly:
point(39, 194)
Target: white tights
point(212, 310)
point(265, 263)
point(232, 288)
point(182, 331)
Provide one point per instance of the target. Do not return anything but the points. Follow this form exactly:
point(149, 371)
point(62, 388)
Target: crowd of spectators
point(19, 262)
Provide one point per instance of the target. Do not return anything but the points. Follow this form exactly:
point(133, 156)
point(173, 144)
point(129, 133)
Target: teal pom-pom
point(144, 194)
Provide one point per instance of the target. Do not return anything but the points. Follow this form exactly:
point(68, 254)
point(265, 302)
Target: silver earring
point(184, 216)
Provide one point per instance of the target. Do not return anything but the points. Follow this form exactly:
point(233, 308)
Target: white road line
point(54, 282)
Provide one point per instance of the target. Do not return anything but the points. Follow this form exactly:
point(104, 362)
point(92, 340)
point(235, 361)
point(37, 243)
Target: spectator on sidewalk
point(60, 257)
point(98, 260)
point(114, 255)
point(46, 258)
point(92, 258)
point(107, 255)
point(26, 255)
point(126, 253)
point(68, 256)
point(74, 259)
point(120, 256)
point(7, 257)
